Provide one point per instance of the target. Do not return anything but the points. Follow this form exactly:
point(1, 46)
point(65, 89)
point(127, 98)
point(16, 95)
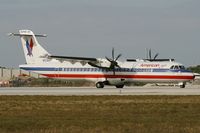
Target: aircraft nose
point(193, 76)
point(196, 75)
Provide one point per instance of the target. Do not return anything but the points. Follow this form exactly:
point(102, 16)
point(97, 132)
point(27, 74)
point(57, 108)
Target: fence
point(9, 73)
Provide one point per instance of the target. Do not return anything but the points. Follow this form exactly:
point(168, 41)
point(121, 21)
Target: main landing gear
point(120, 86)
point(101, 85)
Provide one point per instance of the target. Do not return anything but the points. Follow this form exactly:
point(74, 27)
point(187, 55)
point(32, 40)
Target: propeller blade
point(118, 66)
point(113, 53)
point(92, 64)
point(118, 57)
point(110, 60)
point(150, 54)
point(156, 56)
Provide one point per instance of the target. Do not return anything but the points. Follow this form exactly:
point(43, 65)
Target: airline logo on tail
point(29, 47)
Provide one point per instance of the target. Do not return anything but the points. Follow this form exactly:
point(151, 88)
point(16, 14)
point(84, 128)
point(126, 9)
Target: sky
point(90, 28)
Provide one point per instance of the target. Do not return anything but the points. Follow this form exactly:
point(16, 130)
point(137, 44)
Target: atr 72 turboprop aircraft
point(107, 71)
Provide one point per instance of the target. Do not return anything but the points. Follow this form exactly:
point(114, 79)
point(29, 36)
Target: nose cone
point(193, 76)
point(196, 76)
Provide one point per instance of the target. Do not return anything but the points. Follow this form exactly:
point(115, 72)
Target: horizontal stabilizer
point(33, 51)
point(17, 34)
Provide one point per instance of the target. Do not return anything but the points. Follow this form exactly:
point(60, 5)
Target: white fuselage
point(103, 71)
point(140, 71)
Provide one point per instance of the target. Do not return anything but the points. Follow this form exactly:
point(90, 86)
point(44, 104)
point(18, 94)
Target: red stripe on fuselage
point(118, 76)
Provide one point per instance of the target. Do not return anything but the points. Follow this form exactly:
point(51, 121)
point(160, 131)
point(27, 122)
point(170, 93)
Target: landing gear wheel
point(182, 86)
point(99, 85)
point(119, 86)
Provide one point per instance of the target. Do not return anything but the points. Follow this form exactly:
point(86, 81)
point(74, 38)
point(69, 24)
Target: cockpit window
point(176, 67)
point(182, 67)
point(172, 67)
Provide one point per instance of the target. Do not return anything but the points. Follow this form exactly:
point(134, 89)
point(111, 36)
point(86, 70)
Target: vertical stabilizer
point(33, 51)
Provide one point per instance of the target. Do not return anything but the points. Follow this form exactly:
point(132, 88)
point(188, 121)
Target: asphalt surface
point(81, 91)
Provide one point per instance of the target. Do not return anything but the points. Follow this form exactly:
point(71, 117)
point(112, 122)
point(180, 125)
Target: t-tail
point(33, 51)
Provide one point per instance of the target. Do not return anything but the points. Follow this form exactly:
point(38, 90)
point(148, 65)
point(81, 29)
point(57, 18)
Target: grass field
point(107, 114)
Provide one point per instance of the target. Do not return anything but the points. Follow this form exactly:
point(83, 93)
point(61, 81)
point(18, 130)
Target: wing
point(82, 60)
point(72, 58)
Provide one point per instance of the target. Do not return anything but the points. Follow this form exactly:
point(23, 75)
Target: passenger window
point(132, 70)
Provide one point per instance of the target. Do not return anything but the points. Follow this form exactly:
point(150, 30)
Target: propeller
point(150, 55)
point(156, 56)
point(113, 61)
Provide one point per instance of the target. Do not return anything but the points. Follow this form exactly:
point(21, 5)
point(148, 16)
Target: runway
point(82, 91)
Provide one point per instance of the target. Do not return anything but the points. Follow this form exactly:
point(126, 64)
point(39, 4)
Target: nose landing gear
point(182, 85)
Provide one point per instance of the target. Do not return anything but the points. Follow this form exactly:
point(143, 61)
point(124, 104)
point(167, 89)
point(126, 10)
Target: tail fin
point(33, 51)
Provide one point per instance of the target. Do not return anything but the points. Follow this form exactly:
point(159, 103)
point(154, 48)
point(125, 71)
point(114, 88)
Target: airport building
point(10, 73)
